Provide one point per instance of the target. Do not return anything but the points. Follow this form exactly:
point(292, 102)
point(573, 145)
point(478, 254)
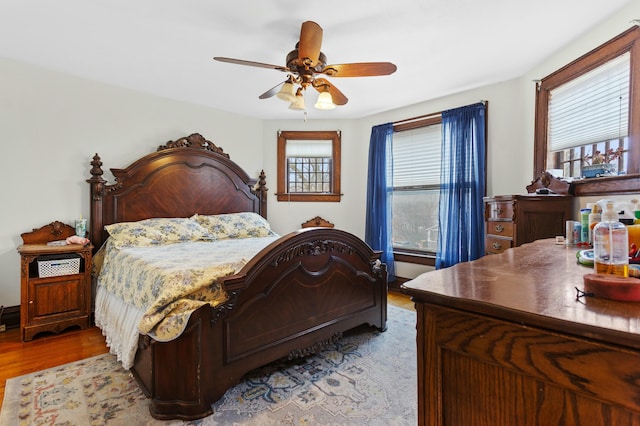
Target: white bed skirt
point(119, 324)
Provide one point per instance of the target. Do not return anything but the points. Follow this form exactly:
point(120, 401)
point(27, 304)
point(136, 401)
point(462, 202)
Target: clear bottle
point(610, 243)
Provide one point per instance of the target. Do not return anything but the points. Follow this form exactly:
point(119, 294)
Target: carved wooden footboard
point(292, 299)
point(298, 295)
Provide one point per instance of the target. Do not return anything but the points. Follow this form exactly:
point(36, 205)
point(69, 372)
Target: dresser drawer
point(496, 245)
point(499, 210)
point(500, 228)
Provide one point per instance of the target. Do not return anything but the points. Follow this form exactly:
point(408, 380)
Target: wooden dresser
point(512, 220)
point(504, 340)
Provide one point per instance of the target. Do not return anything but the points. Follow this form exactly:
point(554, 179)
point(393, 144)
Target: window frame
point(332, 135)
point(408, 255)
point(628, 41)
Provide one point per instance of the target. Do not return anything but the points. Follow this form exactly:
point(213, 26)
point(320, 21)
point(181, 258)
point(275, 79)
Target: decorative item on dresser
point(512, 220)
point(505, 340)
point(295, 296)
point(55, 281)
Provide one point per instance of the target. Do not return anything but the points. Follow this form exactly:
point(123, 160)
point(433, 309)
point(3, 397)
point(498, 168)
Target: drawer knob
point(496, 246)
point(498, 210)
point(499, 228)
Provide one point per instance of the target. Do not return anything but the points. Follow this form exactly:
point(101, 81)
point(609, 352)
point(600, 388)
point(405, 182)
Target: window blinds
point(416, 156)
point(591, 108)
point(309, 148)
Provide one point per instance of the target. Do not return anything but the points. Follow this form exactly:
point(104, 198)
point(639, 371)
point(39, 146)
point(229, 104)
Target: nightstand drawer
point(497, 245)
point(503, 229)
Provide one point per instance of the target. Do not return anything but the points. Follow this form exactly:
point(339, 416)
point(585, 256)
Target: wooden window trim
point(422, 258)
point(625, 184)
point(332, 135)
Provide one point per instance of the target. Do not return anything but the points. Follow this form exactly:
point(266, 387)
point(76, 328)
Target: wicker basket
point(54, 265)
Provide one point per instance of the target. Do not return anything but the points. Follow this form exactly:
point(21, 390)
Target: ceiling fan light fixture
point(325, 101)
point(288, 92)
point(298, 103)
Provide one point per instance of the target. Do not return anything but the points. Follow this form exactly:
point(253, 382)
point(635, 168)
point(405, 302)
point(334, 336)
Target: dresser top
point(534, 284)
point(534, 196)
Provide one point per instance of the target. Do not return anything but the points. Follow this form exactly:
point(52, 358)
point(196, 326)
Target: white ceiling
point(165, 47)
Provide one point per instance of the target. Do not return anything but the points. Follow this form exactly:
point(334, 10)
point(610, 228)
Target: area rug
point(366, 378)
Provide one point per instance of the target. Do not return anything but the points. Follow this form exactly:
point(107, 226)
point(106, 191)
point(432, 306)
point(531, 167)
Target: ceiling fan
point(304, 63)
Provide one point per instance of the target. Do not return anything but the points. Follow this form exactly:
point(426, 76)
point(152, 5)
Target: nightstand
point(55, 282)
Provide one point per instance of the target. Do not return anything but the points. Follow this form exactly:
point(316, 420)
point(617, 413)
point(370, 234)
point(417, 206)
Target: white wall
point(52, 124)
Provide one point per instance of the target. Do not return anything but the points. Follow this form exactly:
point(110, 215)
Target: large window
point(308, 166)
point(591, 108)
point(416, 186)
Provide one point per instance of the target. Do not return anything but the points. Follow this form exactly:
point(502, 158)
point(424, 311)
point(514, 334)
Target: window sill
point(610, 185)
point(428, 259)
point(309, 197)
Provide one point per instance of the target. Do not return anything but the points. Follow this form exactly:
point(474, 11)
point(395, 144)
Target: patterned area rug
point(367, 378)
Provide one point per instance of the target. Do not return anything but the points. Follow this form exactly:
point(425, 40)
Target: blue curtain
point(379, 193)
point(462, 186)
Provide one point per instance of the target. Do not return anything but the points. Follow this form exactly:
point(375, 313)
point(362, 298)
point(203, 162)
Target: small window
point(589, 117)
point(588, 109)
point(308, 166)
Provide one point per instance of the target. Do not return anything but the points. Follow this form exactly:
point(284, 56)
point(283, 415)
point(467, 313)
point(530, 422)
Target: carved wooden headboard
point(183, 177)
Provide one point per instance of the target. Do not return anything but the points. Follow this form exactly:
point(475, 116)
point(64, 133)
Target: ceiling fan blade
point(310, 42)
point(338, 97)
point(271, 92)
point(250, 63)
point(361, 69)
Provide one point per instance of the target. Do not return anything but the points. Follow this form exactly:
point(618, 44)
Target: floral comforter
point(168, 282)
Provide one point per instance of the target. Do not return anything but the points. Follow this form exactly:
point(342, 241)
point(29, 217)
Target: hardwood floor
point(46, 351)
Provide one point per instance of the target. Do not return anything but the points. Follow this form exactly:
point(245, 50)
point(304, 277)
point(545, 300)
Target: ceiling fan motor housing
point(297, 64)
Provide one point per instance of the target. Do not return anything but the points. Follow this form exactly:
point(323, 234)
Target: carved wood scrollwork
point(315, 348)
point(196, 141)
point(313, 248)
point(26, 260)
point(548, 181)
point(144, 342)
point(226, 307)
point(57, 228)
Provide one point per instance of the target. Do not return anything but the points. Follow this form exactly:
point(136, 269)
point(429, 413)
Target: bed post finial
point(262, 193)
point(97, 185)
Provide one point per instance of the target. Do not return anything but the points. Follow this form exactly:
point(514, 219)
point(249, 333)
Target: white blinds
point(591, 108)
point(416, 156)
point(309, 148)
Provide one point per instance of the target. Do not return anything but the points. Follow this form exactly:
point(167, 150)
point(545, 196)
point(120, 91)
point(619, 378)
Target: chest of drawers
point(513, 220)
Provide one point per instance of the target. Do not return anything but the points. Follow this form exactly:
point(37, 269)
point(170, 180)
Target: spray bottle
point(610, 243)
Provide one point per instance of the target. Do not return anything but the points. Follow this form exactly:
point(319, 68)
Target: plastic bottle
point(594, 218)
point(584, 222)
point(610, 243)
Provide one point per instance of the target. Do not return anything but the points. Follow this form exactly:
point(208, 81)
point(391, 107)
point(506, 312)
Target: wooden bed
point(291, 300)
